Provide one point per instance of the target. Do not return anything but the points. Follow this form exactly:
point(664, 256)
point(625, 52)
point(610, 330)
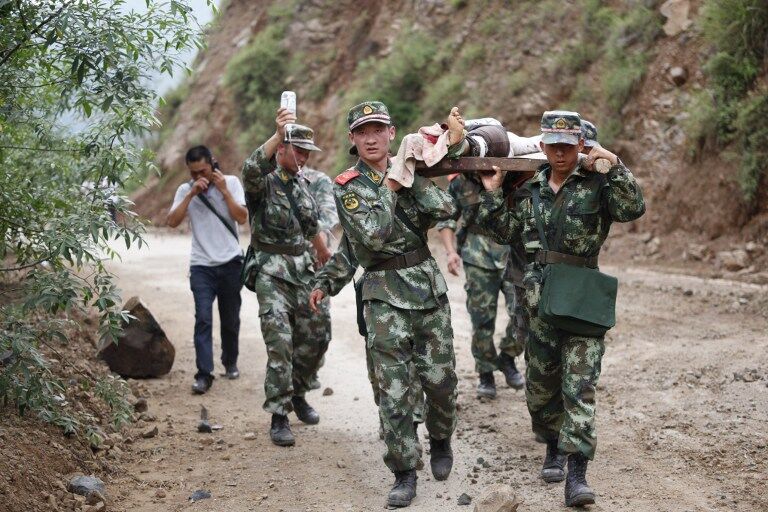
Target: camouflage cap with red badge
point(367, 112)
point(561, 127)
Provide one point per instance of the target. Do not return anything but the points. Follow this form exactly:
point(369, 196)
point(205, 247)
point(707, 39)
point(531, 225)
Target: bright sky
point(203, 14)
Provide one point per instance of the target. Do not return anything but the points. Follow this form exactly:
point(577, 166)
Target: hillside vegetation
point(683, 106)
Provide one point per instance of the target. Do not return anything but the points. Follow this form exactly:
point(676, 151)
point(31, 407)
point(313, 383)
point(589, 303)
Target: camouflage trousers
point(294, 339)
point(417, 394)
point(483, 287)
point(401, 338)
point(560, 381)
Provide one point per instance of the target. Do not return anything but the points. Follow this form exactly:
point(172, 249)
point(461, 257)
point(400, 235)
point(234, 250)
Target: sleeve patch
point(345, 177)
point(350, 201)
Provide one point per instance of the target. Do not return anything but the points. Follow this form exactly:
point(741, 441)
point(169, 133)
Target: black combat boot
point(553, 469)
point(304, 411)
point(440, 457)
point(577, 491)
point(404, 490)
point(487, 386)
point(280, 431)
point(513, 377)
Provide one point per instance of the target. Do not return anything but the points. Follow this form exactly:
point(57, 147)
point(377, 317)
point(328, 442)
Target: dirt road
point(682, 410)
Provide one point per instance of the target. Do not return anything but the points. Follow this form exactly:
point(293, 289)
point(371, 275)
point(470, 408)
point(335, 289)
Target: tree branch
point(35, 31)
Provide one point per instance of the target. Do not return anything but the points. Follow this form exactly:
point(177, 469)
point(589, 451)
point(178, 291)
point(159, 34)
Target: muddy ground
point(682, 410)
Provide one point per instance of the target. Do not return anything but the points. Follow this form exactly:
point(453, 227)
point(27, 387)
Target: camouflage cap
point(589, 132)
point(561, 127)
point(368, 112)
point(300, 136)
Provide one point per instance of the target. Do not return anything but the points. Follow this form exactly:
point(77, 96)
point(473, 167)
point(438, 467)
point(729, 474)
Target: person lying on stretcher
point(455, 138)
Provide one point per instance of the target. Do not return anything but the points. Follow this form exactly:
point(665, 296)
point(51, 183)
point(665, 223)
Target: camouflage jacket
point(375, 234)
point(476, 248)
point(321, 189)
point(583, 210)
point(273, 220)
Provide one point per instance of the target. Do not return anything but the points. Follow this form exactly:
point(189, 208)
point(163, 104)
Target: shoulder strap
point(294, 206)
point(399, 212)
point(227, 225)
point(535, 193)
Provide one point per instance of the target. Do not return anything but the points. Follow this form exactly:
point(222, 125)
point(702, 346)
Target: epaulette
point(346, 176)
point(453, 176)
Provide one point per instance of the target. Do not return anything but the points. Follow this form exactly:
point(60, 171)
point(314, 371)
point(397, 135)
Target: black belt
point(287, 249)
point(408, 259)
point(547, 257)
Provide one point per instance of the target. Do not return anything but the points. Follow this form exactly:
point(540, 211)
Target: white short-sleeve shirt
point(212, 243)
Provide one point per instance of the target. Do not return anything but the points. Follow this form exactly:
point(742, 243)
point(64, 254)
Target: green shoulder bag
point(576, 299)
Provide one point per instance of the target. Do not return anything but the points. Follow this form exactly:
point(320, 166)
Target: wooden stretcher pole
point(525, 165)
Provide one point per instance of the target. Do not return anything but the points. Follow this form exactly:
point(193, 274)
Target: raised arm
point(622, 196)
point(262, 161)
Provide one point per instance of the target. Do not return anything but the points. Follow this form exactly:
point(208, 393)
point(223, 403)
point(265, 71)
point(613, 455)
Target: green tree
point(75, 97)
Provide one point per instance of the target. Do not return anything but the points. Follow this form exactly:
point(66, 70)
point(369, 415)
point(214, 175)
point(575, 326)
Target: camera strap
point(227, 225)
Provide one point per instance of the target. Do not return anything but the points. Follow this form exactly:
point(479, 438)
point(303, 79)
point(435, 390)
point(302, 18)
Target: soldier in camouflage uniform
point(405, 306)
point(284, 219)
point(484, 262)
point(320, 187)
point(577, 209)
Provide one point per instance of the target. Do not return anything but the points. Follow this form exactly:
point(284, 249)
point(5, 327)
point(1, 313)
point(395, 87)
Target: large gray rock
point(143, 350)
point(85, 485)
point(497, 498)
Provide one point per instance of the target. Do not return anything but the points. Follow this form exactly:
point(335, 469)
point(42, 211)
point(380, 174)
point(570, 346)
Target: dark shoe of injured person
point(511, 374)
point(553, 469)
point(280, 431)
point(440, 457)
point(487, 386)
point(304, 411)
point(404, 490)
point(577, 491)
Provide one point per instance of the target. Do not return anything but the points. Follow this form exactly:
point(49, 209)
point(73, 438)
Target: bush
point(738, 32)
point(753, 138)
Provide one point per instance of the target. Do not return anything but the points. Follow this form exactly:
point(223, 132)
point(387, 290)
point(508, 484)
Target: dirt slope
point(681, 410)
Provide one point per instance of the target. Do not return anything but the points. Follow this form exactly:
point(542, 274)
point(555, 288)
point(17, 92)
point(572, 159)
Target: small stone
point(199, 495)
point(94, 497)
point(733, 260)
point(688, 293)
point(340, 464)
point(160, 493)
point(150, 433)
point(678, 75)
point(464, 499)
point(140, 405)
point(207, 441)
point(249, 436)
point(497, 498)
point(327, 391)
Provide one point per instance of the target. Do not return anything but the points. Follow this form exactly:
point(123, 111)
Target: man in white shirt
point(215, 204)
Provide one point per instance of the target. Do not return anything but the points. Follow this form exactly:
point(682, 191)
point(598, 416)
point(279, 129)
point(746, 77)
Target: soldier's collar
point(371, 173)
point(286, 176)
